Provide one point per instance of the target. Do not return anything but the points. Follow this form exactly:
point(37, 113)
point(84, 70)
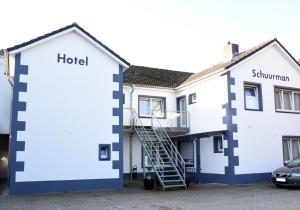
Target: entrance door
point(182, 109)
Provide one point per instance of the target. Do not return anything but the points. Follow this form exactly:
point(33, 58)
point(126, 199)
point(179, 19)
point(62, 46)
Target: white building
point(242, 115)
point(62, 136)
point(76, 124)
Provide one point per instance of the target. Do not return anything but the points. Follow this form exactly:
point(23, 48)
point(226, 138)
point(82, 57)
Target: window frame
point(108, 146)
point(194, 145)
point(258, 87)
point(152, 97)
point(216, 143)
point(290, 139)
point(191, 101)
point(292, 99)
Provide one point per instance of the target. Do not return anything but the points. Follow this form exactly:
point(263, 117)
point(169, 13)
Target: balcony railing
point(172, 119)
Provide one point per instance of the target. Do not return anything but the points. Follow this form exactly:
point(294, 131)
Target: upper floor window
point(192, 98)
point(253, 99)
point(287, 100)
point(152, 105)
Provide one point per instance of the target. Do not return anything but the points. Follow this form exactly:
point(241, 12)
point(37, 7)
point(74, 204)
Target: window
point(188, 152)
point(253, 100)
point(287, 100)
point(218, 143)
point(291, 148)
point(152, 105)
point(104, 151)
point(192, 98)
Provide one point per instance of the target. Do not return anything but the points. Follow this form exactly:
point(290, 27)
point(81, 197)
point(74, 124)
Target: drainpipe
point(10, 80)
point(131, 132)
point(6, 66)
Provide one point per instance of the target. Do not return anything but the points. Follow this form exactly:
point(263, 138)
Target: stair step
point(166, 171)
point(169, 181)
point(173, 175)
point(177, 185)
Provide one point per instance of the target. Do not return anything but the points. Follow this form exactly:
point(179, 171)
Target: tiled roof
point(154, 77)
point(225, 65)
point(61, 30)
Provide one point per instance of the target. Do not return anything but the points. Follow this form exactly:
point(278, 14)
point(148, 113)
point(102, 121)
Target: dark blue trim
point(159, 97)
point(236, 179)
point(108, 146)
point(198, 165)
point(215, 143)
point(231, 128)
point(191, 98)
point(260, 98)
point(140, 176)
point(178, 107)
point(65, 186)
point(17, 144)
point(118, 129)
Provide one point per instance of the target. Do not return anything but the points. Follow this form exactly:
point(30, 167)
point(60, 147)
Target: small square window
point(218, 143)
point(192, 98)
point(253, 99)
point(104, 151)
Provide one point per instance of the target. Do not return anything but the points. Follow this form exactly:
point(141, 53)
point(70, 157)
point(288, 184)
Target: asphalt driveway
point(133, 196)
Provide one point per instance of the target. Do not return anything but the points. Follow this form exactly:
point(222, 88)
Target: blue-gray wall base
point(235, 179)
point(65, 186)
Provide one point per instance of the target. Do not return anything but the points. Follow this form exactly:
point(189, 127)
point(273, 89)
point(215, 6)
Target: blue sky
point(182, 35)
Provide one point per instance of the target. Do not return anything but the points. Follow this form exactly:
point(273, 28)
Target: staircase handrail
point(165, 134)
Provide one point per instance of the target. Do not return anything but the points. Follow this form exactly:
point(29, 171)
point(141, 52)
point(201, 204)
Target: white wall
point(211, 162)
point(136, 153)
point(260, 133)
point(5, 100)
point(69, 112)
point(207, 114)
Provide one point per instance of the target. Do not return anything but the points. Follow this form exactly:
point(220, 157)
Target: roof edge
point(73, 25)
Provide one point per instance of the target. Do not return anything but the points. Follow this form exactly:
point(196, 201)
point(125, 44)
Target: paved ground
point(261, 196)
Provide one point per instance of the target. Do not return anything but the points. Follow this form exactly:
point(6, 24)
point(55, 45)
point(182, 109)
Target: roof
point(226, 65)
point(154, 77)
point(75, 25)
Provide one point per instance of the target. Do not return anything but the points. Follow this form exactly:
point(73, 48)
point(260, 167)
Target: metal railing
point(146, 141)
point(169, 119)
point(169, 145)
point(155, 141)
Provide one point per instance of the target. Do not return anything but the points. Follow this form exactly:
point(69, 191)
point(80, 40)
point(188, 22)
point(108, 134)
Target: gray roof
point(225, 65)
point(154, 77)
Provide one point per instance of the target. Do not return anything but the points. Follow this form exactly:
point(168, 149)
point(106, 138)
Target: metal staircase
point(164, 157)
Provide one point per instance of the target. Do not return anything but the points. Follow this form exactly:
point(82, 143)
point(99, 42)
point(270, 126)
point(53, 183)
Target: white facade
point(206, 114)
point(63, 136)
point(70, 129)
point(260, 132)
point(252, 145)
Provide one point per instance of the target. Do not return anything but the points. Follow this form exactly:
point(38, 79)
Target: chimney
point(230, 51)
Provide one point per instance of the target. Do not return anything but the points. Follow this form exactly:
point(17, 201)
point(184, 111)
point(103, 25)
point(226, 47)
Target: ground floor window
point(291, 148)
point(218, 143)
point(187, 150)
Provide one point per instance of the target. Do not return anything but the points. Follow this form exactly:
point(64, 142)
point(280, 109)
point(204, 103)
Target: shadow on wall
point(3, 156)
